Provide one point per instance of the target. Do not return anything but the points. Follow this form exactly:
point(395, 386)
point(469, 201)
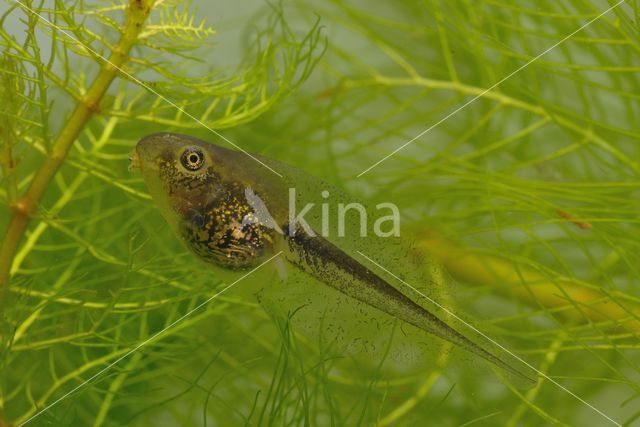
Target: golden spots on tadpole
point(237, 230)
point(202, 234)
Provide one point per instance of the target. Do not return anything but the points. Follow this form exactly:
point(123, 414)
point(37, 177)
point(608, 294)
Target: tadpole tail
point(332, 266)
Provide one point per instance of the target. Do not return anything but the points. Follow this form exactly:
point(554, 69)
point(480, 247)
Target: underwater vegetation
point(505, 133)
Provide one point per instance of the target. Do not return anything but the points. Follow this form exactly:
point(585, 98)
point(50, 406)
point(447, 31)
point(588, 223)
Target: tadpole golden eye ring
point(192, 159)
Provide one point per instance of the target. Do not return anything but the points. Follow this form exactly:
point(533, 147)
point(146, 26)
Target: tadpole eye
point(192, 158)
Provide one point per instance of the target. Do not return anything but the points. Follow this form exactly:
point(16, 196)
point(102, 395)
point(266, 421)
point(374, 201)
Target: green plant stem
point(9, 85)
point(578, 300)
point(8, 165)
point(26, 205)
point(416, 81)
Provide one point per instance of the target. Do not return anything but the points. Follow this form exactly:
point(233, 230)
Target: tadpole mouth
point(134, 160)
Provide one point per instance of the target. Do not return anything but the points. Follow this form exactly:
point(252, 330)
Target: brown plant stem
point(26, 205)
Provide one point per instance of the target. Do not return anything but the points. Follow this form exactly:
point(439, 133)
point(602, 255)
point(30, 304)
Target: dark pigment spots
point(217, 222)
point(321, 256)
point(226, 232)
point(177, 181)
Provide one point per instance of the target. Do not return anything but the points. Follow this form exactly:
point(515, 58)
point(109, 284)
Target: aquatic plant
point(528, 196)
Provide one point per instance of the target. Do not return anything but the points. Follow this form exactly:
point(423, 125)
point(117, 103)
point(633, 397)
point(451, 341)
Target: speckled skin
point(221, 228)
point(210, 210)
point(210, 213)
